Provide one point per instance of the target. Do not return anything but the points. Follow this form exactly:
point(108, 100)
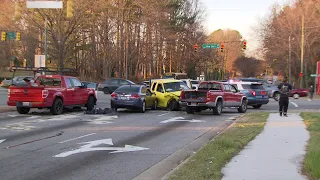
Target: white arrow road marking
point(76, 138)
point(90, 146)
point(163, 114)
point(181, 119)
point(102, 119)
point(2, 140)
point(296, 105)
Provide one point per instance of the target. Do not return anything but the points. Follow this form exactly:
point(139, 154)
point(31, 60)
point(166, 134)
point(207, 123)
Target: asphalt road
point(118, 145)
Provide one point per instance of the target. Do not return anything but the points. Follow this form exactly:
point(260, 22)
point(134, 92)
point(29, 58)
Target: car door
point(228, 95)
point(114, 84)
point(159, 91)
point(237, 97)
point(80, 93)
point(70, 94)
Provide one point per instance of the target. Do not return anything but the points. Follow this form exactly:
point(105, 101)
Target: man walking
point(284, 89)
point(311, 92)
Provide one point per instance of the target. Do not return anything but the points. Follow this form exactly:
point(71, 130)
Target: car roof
point(217, 82)
point(167, 80)
point(132, 85)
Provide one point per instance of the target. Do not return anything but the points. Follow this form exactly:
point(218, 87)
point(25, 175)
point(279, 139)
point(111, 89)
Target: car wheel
point(243, 107)
point(217, 110)
point(155, 105)
point(189, 110)
point(57, 107)
point(143, 107)
point(276, 96)
point(90, 103)
point(171, 105)
point(296, 96)
point(23, 110)
point(257, 106)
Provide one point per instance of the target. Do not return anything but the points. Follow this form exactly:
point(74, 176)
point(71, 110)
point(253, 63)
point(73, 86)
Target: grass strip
point(311, 164)
point(210, 159)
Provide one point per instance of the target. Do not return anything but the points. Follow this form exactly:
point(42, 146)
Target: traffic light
point(69, 9)
point(196, 47)
point(244, 46)
point(18, 36)
point(17, 10)
point(3, 36)
point(222, 47)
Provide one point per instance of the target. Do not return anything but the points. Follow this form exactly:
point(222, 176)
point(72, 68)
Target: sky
point(240, 15)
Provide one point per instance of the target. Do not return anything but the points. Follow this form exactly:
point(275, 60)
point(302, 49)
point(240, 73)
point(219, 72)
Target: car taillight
point(45, 93)
point(253, 93)
point(135, 96)
point(113, 95)
point(263, 92)
point(182, 95)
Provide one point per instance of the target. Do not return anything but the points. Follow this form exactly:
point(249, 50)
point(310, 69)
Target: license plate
point(193, 104)
point(26, 104)
point(123, 98)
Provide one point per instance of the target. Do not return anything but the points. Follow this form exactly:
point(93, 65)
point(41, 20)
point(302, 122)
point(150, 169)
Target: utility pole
point(302, 50)
point(45, 41)
point(289, 60)
point(127, 48)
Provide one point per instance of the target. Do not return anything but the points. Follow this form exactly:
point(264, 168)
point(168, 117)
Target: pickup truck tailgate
point(25, 94)
point(201, 94)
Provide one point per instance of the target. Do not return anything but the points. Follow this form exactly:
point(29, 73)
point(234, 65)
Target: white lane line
point(2, 140)
point(76, 138)
point(164, 114)
point(296, 105)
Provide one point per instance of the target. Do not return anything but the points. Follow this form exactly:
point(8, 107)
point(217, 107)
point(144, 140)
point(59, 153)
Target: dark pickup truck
point(213, 95)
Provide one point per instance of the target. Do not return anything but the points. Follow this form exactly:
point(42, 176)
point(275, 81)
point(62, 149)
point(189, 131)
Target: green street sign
point(315, 75)
point(11, 35)
point(213, 46)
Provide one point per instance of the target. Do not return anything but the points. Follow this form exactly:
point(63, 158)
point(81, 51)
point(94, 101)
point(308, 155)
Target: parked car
point(213, 95)
point(257, 95)
point(53, 92)
point(16, 80)
point(111, 85)
point(195, 84)
point(133, 97)
point(168, 92)
point(297, 93)
point(146, 83)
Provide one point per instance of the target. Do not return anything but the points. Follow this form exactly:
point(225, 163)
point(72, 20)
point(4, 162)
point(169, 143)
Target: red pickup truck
point(51, 91)
point(213, 95)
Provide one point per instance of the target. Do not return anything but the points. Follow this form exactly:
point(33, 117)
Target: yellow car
point(168, 92)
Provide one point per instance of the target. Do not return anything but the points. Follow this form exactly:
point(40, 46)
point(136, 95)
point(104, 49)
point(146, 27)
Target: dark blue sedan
point(137, 97)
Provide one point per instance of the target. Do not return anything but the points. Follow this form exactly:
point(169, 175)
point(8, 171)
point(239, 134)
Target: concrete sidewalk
point(275, 154)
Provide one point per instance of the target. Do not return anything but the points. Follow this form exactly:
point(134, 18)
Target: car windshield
point(48, 81)
point(175, 86)
point(128, 89)
point(252, 86)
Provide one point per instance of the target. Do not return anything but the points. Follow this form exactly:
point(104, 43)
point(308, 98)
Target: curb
point(164, 168)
